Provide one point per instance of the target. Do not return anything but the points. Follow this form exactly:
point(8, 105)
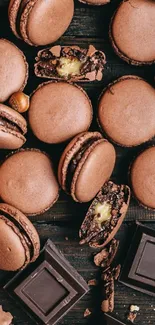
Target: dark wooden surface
point(90, 25)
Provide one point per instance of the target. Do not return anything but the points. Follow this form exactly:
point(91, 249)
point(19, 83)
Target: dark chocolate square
point(48, 288)
point(138, 270)
point(147, 261)
point(44, 284)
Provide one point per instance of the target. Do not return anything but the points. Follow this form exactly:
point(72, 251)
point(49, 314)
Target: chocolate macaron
point(95, 2)
point(13, 127)
point(70, 63)
point(13, 69)
point(132, 31)
point(59, 111)
point(40, 22)
point(142, 178)
point(28, 181)
point(19, 240)
point(126, 111)
point(105, 215)
point(85, 165)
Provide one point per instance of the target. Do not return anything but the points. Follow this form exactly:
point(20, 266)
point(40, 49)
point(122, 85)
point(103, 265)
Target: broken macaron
point(105, 215)
point(70, 63)
point(85, 165)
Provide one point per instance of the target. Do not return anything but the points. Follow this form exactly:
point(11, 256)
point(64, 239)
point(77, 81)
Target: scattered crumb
point(5, 317)
point(92, 282)
point(66, 238)
point(87, 312)
point(133, 310)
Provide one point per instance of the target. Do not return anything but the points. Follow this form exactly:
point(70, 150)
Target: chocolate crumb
point(92, 282)
point(105, 257)
point(87, 312)
point(5, 317)
point(133, 311)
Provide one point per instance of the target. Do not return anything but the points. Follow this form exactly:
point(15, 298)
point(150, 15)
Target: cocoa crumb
point(87, 312)
point(133, 311)
point(92, 282)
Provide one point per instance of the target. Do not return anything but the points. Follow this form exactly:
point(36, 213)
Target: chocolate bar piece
point(49, 289)
point(138, 269)
point(70, 63)
point(111, 320)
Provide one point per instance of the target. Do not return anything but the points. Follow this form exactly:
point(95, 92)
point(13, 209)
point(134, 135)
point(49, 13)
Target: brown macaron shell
point(132, 31)
point(94, 166)
point(14, 253)
point(72, 148)
point(13, 127)
point(142, 176)
point(39, 17)
point(28, 181)
point(59, 111)
point(95, 2)
point(26, 227)
point(125, 107)
point(94, 169)
point(13, 69)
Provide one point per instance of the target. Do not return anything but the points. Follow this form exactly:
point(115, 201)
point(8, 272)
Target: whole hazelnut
point(19, 101)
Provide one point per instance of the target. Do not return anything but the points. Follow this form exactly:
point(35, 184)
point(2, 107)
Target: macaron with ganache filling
point(132, 31)
point(85, 165)
point(58, 111)
point(40, 22)
point(105, 215)
point(13, 127)
point(13, 69)
point(19, 240)
point(142, 178)
point(126, 111)
point(28, 181)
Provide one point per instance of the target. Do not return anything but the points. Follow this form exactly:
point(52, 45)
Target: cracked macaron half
point(13, 128)
point(126, 111)
point(85, 165)
point(132, 31)
point(28, 181)
point(13, 69)
point(105, 215)
point(19, 240)
point(40, 22)
point(142, 178)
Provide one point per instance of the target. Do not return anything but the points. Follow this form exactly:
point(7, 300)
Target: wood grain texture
point(90, 25)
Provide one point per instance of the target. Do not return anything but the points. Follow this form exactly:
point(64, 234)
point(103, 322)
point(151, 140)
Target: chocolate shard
point(70, 63)
point(105, 215)
point(5, 317)
point(49, 288)
point(133, 311)
point(105, 257)
point(108, 291)
point(107, 278)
